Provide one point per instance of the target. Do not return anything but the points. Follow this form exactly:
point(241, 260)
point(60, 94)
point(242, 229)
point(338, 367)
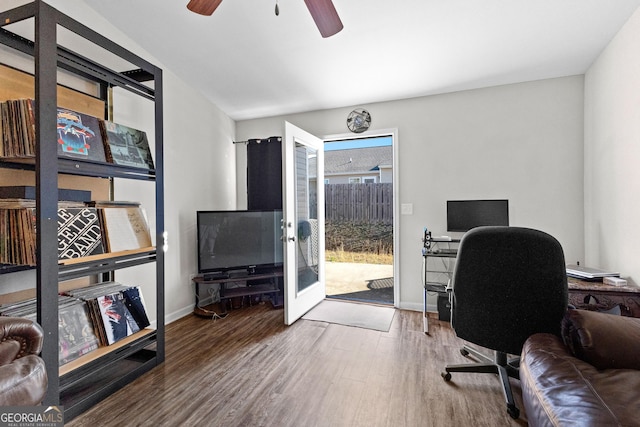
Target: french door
point(303, 222)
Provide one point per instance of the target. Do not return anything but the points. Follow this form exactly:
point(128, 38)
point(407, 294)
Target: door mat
point(353, 314)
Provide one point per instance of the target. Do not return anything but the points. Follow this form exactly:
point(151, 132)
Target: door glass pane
point(307, 214)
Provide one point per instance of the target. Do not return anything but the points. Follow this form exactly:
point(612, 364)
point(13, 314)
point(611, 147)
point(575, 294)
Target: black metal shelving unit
point(436, 278)
point(83, 386)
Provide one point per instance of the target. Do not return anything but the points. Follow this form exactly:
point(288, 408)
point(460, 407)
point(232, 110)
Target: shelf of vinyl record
point(86, 145)
point(79, 137)
point(92, 318)
point(87, 230)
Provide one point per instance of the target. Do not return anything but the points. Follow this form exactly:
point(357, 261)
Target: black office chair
point(508, 283)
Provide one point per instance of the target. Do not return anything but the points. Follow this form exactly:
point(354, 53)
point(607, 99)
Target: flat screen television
point(238, 240)
point(463, 215)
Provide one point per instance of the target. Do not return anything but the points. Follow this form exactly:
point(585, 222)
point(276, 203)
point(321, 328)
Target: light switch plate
point(406, 208)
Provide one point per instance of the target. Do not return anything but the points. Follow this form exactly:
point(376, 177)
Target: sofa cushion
point(605, 341)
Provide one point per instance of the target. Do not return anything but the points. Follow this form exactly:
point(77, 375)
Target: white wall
point(199, 168)
point(612, 155)
point(523, 142)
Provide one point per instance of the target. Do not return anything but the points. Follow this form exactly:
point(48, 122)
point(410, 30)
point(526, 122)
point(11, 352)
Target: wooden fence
point(371, 203)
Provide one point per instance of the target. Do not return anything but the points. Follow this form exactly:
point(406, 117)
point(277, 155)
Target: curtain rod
point(259, 140)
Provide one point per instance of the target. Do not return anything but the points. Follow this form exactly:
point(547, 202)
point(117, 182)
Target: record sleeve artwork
point(126, 146)
point(126, 228)
point(118, 322)
point(79, 233)
point(135, 304)
point(79, 136)
point(75, 329)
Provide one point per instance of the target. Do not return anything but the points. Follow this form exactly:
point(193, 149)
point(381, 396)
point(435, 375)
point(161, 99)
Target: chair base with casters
point(501, 365)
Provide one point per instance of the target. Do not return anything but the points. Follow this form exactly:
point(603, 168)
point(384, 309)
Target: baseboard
point(178, 314)
point(417, 306)
point(410, 306)
point(432, 308)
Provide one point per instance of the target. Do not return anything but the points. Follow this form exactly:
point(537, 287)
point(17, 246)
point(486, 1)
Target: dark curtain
point(264, 173)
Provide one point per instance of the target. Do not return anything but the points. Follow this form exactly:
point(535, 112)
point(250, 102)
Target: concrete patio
point(360, 282)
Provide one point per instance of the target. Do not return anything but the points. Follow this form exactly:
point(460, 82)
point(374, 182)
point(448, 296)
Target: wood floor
point(251, 370)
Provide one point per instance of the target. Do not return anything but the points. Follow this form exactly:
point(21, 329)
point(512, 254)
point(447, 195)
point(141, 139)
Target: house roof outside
point(357, 160)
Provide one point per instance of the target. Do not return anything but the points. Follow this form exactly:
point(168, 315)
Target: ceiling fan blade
point(325, 16)
point(203, 7)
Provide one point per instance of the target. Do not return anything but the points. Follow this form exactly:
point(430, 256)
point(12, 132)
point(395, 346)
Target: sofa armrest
point(604, 340)
point(23, 382)
point(19, 337)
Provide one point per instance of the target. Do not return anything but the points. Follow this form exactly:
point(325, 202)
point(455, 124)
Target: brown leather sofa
point(23, 378)
point(588, 377)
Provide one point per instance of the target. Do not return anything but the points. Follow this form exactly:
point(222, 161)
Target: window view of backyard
point(359, 219)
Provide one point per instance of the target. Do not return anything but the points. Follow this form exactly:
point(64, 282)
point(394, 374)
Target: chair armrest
point(604, 340)
point(19, 337)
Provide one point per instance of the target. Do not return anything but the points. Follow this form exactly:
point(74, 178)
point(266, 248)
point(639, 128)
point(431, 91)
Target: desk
point(437, 268)
point(248, 285)
point(605, 296)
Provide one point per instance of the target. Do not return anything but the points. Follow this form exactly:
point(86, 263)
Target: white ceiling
point(251, 63)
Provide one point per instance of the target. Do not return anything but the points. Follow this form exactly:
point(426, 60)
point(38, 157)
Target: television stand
point(215, 276)
point(240, 285)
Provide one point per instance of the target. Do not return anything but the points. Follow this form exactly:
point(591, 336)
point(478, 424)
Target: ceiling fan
point(323, 12)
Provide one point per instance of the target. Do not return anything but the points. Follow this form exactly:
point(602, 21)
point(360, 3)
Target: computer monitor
point(463, 215)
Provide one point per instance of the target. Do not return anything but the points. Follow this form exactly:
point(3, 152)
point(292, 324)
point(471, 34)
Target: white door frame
point(396, 209)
